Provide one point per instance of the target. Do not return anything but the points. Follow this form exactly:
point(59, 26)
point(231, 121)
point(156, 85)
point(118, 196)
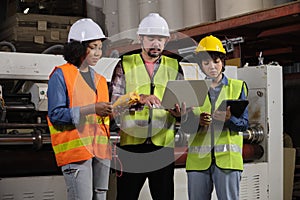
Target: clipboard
point(192, 92)
point(237, 107)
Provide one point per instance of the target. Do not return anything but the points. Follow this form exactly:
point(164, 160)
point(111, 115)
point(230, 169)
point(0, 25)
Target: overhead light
point(234, 40)
point(26, 11)
point(42, 6)
point(228, 43)
point(187, 50)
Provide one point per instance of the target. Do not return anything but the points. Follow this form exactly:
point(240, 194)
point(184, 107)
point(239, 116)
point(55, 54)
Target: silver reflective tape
point(217, 148)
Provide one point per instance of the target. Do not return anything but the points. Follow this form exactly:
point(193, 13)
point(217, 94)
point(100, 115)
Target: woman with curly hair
point(78, 114)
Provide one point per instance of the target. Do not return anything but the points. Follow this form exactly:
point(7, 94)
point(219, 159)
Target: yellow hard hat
point(210, 43)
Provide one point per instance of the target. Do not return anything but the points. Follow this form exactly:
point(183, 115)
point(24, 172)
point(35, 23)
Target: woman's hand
point(205, 119)
point(103, 108)
point(222, 115)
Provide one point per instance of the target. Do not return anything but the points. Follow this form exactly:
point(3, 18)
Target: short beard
point(153, 55)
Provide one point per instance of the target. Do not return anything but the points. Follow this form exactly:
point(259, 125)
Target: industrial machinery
point(262, 177)
point(26, 158)
point(27, 164)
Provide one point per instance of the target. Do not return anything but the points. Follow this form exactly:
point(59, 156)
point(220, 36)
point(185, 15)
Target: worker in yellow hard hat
point(208, 47)
point(147, 133)
point(215, 150)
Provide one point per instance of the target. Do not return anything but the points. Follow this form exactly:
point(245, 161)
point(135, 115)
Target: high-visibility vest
point(135, 127)
point(90, 137)
point(225, 144)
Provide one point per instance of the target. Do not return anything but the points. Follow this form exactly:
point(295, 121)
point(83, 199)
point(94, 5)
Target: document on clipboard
point(192, 92)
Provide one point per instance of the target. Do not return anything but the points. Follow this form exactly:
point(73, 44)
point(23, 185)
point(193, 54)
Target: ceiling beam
point(280, 31)
point(242, 20)
point(275, 51)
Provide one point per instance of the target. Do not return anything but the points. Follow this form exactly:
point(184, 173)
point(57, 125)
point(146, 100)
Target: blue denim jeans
point(87, 180)
point(226, 182)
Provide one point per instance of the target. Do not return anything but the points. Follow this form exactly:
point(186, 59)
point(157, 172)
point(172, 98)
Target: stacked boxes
point(37, 28)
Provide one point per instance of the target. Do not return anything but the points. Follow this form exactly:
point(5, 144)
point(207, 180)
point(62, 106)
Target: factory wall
point(124, 15)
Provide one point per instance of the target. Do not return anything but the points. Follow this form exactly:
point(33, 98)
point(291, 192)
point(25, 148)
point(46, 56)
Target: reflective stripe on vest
point(61, 128)
point(134, 127)
point(217, 148)
point(90, 137)
point(156, 124)
point(227, 144)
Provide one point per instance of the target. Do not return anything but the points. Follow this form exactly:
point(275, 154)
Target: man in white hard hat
point(78, 114)
point(147, 133)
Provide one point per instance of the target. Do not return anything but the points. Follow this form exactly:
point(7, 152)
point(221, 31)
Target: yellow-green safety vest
point(226, 144)
point(134, 126)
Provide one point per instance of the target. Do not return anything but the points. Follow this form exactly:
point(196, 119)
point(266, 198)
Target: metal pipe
point(54, 47)
point(36, 138)
point(16, 140)
point(181, 138)
point(254, 134)
point(12, 47)
point(17, 96)
point(22, 107)
point(25, 139)
point(21, 126)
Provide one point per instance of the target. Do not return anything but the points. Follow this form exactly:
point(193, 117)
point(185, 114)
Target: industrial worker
point(78, 114)
point(147, 133)
point(215, 152)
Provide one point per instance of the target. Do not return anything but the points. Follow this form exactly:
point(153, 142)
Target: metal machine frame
point(262, 177)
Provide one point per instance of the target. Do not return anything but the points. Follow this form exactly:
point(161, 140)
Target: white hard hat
point(84, 30)
point(154, 24)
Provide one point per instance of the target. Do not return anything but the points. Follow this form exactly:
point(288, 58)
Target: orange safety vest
point(89, 138)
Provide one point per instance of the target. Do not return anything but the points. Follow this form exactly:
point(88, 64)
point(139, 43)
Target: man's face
point(153, 45)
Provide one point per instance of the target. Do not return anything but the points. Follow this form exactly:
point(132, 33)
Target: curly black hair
point(74, 52)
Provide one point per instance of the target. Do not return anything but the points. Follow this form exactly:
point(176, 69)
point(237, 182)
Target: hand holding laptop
point(150, 100)
point(153, 102)
point(178, 111)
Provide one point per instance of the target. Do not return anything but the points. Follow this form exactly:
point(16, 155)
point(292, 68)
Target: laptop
point(192, 92)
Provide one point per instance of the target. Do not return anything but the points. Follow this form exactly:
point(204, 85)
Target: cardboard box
point(42, 25)
point(234, 62)
point(289, 158)
point(55, 35)
point(25, 27)
point(39, 39)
